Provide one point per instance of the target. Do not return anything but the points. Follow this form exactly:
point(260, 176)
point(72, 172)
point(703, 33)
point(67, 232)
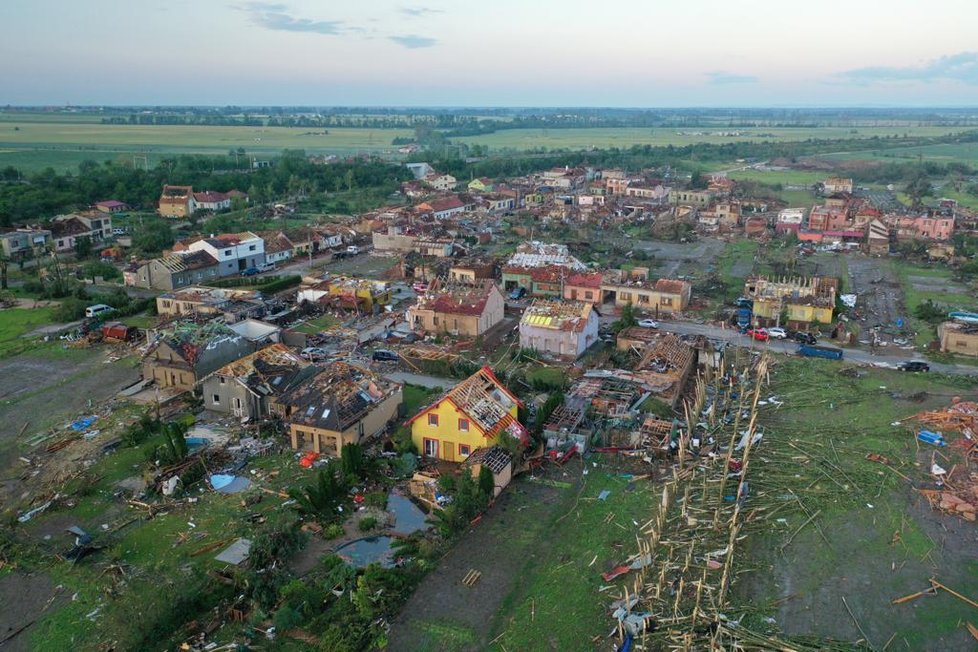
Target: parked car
point(804, 338)
point(266, 267)
point(353, 250)
point(758, 334)
point(383, 355)
point(517, 294)
point(913, 365)
point(98, 310)
point(251, 271)
point(777, 333)
point(648, 323)
point(313, 353)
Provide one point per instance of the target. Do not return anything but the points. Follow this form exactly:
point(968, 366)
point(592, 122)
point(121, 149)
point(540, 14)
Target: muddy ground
point(44, 390)
point(495, 549)
point(25, 599)
point(880, 296)
point(677, 259)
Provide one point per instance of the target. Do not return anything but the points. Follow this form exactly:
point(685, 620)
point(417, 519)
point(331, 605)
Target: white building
point(235, 252)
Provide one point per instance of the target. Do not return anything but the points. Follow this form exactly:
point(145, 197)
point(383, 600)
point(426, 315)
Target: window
point(666, 301)
point(464, 450)
point(432, 419)
point(251, 247)
point(222, 379)
point(216, 399)
point(463, 425)
point(431, 447)
point(227, 253)
point(588, 296)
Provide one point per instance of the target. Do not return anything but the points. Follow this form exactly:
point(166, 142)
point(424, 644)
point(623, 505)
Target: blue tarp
point(83, 423)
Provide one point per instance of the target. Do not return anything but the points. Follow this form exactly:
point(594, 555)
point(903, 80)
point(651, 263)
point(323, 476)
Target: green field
point(17, 322)
point(784, 177)
point(628, 136)
point(33, 141)
point(35, 144)
point(943, 153)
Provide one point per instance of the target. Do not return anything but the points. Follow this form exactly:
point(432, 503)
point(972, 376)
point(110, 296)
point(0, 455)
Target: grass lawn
point(784, 177)
point(17, 322)
point(317, 325)
point(416, 397)
point(735, 263)
point(556, 598)
point(915, 295)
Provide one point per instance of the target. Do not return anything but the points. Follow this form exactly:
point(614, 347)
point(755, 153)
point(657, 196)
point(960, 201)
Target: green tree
point(918, 187)
point(83, 247)
point(98, 268)
point(322, 499)
point(487, 483)
point(4, 262)
point(627, 318)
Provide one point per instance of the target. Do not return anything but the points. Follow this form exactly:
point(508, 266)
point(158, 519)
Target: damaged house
point(461, 310)
point(180, 357)
point(342, 404)
point(562, 329)
point(246, 387)
point(474, 414)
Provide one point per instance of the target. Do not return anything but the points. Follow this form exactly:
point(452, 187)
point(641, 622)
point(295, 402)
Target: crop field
point(784, 177)
point(628, 136)
point(35, 141)
point(942, 153)
point(34, 145)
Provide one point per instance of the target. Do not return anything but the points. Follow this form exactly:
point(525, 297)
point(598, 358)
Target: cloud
point(962, 67)
point(419, 12)
point(413, 41)
point(275, 16)
point(721, 77)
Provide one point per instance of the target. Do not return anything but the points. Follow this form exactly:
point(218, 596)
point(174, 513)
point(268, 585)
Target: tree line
point(46, 193)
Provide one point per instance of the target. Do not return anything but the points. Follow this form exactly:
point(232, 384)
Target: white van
point(266, 267)
point(98, 310)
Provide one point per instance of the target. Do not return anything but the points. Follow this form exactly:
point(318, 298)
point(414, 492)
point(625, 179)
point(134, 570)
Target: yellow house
point(810, 312)
point(363, 293)
point(474, 414)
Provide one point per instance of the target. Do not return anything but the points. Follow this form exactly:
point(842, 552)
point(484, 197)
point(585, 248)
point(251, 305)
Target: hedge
point(269, 284)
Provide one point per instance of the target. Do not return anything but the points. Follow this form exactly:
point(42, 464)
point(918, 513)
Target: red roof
point(462, 301)
point(670, 286)
point(592, 280)
point(209, 197)
point(446, 204)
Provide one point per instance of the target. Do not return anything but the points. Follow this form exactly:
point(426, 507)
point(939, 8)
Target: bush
point(377, 499)
point(70, 309)
point(333, 531)
point(367, 523)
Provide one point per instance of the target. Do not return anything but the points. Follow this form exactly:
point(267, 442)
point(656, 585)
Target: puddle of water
point(408, 517)
point(363, 552)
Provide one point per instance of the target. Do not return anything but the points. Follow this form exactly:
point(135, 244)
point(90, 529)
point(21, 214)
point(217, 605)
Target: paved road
point(884, 359)
point(421, 380)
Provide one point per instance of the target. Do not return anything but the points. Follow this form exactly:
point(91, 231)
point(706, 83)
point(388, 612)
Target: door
point(237, 407)
point(449, 451)
point(431, 447)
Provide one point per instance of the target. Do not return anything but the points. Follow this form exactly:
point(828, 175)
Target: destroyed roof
point(590, 280)
point(187, 262)
point(445, 204)
point(272, 370)
point(205, 347)
point(558, 315)
point(457, 299)
point(487, 403)
point(539, 254)
point(671, 286)
point(340, 395)
point(495, 458)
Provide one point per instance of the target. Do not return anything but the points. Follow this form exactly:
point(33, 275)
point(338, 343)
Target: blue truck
point(743, 317)
point(820, 351)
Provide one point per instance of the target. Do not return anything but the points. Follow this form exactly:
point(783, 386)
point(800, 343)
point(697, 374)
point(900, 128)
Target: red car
point(758, 334)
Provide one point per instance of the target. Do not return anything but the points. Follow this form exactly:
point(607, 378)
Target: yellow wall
point(822, 315)
point(447, 434)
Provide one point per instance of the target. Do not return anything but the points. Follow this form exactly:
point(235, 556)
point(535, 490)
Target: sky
point(541, 53)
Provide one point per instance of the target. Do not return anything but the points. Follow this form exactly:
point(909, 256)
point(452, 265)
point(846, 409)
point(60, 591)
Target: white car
point(777, 333)
point(648, 323)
